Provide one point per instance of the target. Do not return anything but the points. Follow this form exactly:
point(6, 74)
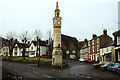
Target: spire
point(56, 5)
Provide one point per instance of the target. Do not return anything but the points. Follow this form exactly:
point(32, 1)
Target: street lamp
point(38, 42)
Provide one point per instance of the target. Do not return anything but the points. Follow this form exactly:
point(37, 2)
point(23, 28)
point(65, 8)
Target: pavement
point(76, 70)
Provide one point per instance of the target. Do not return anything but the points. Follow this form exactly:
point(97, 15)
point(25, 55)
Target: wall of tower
point(57, 37)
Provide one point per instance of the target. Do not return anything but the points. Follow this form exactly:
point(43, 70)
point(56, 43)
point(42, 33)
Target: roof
point(80, 44)
point(108, 44)
point(85, 45)
point(22, 45)
point(67, 39)
point(116, 33)
point(42, 43)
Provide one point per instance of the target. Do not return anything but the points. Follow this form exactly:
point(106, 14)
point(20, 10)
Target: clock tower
point(57, 52)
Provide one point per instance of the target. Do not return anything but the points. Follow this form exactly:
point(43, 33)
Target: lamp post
point(38, 42)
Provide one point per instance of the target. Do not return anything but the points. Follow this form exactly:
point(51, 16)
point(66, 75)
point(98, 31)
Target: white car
point(82, 60)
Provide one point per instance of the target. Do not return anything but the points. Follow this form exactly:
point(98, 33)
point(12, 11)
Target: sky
point(80, 18)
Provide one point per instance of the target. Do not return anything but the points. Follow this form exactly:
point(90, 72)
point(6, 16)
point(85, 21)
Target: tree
point(25, 37)
point(11, 36)
point(49, 40)
point(49, 36)
point(37, 34)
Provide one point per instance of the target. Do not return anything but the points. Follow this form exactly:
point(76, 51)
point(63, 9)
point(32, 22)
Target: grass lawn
point(31, 60)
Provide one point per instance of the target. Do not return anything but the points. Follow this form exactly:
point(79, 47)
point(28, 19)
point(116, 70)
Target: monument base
point(57, 58)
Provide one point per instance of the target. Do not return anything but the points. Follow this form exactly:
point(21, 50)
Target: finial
point(56, 5)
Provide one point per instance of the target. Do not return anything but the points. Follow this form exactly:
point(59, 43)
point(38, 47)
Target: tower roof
point(56, 5)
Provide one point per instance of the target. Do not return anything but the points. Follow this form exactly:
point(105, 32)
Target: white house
point(18, 48)
point(107, 52)
point(34, 48)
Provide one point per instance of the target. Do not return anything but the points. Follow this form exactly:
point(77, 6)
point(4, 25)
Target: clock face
point(54, 22)
point(58, 22)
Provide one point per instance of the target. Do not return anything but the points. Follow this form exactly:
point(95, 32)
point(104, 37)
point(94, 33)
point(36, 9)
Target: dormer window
point(118, 40)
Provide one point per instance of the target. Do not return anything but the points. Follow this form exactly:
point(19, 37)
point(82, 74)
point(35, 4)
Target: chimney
point(94, 36)
point(105, 32)
point(85, 40)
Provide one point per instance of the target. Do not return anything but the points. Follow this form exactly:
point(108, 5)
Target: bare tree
point(25, 37)
point(37, 34)
point(10, 35)
point(49, 36)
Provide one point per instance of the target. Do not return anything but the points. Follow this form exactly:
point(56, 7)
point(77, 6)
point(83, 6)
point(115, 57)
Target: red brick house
point(95, 43)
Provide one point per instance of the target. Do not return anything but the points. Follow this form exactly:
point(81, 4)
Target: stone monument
point(57, 52)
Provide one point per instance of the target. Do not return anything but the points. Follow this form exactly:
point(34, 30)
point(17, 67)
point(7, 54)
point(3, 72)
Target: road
point(88, 69)
point(76, 70)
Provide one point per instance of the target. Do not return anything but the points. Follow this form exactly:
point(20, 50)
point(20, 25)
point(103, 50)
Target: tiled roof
point(42, 43)
point(108, 44)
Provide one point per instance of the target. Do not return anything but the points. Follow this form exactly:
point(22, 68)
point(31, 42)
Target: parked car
point(88, 61)
point(106, 65)
point(118, 69)
point(98, 64)
point(82, 59)
point(114, 68)
point(43, 56)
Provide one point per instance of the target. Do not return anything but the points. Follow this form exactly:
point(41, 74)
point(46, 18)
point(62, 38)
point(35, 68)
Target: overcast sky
point(80, 18)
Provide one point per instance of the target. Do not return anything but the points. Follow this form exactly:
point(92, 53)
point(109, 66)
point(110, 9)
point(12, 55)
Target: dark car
point(97, 65)
point(114, 67)
point(118, 69)
point(106, 65)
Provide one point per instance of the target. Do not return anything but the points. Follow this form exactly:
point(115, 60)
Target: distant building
point(69, 46)
point(84, 50)
point(117, 45)
point(92, 47)
point(107, 52)
point(34, 48)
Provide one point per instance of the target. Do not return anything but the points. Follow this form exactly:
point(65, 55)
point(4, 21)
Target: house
point(34, 48)
point(92, 48)
point(96, 42)
point(80, 45)
point(69, 46)
point(117, 45)
point(107, 52)
point(84, 50)
point(18, 49)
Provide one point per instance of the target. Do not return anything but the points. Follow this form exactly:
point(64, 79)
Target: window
point(118, 40)
point(67, 52)
point(97, 47)
point(89, 49)
point(31, 48)
point(15, 53)
point(97, 40)
point(6, 49)
point(81, 51)
point(118, 56)
point(92, 42)
point(15, 48)
point(93, 48)
point(73, 51)
point(32, 53)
